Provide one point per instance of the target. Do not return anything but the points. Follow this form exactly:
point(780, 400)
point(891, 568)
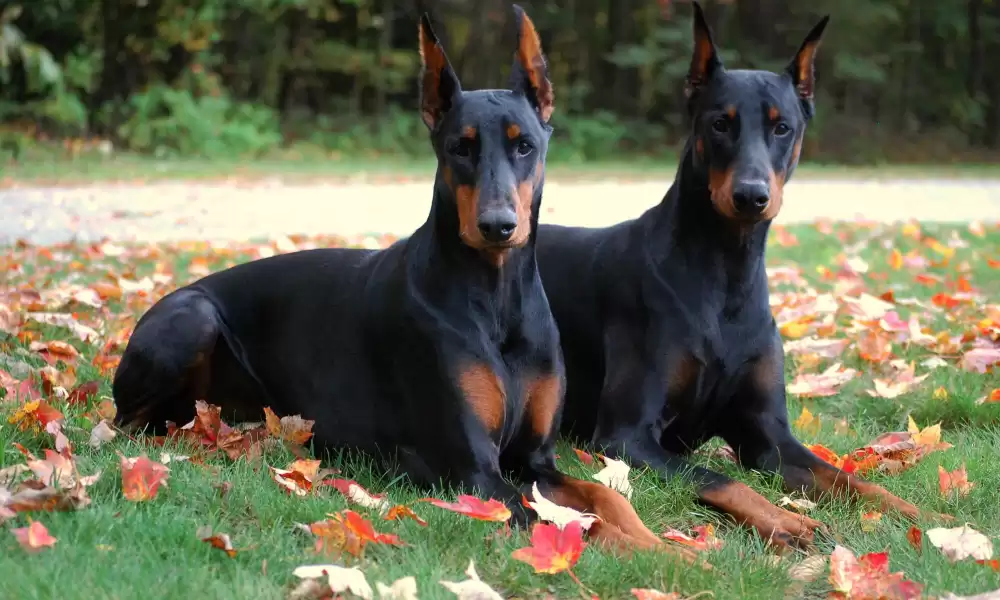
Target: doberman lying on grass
point(439, 352)
point(664, 320)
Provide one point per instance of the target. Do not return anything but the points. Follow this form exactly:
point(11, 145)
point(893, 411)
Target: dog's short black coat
point(439, 352)
point(665, 322)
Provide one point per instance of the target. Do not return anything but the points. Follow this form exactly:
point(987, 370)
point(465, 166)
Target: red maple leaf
point(34, 537)
point(348, 532)
point(552, 549)
point(82, 393)
point(470, 506)
point(142, 478)
point(868, 577)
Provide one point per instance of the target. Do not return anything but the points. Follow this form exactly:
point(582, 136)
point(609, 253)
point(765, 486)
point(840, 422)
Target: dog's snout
point(751, 197)
point(497, 226)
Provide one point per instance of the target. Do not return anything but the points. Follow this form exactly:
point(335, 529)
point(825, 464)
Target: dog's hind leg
point(178, 354)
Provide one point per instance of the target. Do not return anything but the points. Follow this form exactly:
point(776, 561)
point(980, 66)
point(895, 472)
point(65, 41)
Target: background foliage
point(901, 80)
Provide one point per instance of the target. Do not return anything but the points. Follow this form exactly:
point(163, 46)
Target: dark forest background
point(900, 80)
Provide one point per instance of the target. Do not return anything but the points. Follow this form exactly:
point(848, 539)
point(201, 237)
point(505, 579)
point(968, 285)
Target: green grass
point(118, 549)
point(51, 166)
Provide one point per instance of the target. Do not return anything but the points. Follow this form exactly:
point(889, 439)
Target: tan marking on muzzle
point(720, 184)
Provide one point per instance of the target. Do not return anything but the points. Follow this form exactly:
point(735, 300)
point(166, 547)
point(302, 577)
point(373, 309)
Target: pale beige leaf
point(101, 433)
point(341, 579)
point(404, 588)
point(615, 476)
point(958, 543)
point(809, 569)
point(472, 588)
point(559, 515)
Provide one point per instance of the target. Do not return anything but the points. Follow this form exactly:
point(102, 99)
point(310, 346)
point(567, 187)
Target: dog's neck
point(687, 231)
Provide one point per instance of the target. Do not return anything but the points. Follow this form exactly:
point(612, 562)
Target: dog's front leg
point(631, 406)
point(760, 434)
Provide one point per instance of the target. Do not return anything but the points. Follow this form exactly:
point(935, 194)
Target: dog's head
point(748, 125)
point(490, 144)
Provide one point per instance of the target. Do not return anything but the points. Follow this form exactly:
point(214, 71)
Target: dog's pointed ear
point(530, 73)
point(802, 69)
point(439, 85)
point(705, 60)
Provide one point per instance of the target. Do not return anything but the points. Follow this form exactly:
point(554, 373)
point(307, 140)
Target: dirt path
point(268, 209)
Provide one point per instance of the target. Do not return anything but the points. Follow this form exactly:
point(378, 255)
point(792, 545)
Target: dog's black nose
point(751, 197)
point(497, 226)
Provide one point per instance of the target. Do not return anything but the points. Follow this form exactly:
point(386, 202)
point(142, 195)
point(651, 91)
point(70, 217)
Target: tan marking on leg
point(484, 393)
point(776, 525)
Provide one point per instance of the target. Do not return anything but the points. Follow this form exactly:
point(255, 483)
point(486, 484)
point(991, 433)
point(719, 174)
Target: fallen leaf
point(559, 515)
point(801, 505)
point(703, 539)
point(34, 415)
point(142, 478)
point(956, 481)
point(995, 595)
point(870, 521)
point(353, 491)
point(82, 393)
point(916, 538)
point(868, 577)
point(401, 511)
point(903, 383)
point(827, 383)
point(584, 457)
point(553, 549)
point(615, 476)
point(470, 506)
point(101, 434)
point(958, 543)
point(404, 588)
point(472, 588)
point(217, 540)
point(650, 594)
point(34, 537)
point(981, 360)
point(809, 569)
point(340, 579)
point(293, 429)
point(807, 422)
point(348, 532)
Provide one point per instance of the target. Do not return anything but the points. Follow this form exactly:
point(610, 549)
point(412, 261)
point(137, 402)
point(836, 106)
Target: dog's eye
point(524, 148)
point(720, 125)
point(461, 148)
point(781, 129)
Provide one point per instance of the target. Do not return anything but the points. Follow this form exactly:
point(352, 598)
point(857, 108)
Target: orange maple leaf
point(34, 415)
point(916, 538)
point(552, 549)
point(348, 532)
point(142, 478)
point(401, 511)
point(217, 540)
point(470, 506)
point(34, 537)
point(293, 429)
point(956, 481)
point(703, 539)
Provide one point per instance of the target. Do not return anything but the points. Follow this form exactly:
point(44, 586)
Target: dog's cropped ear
point(530, 73)
point(705, 60)
point(802, 69)
point(439, 85)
